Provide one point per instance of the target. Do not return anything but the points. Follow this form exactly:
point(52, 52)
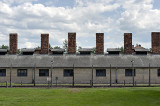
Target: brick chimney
point(156, 42)
point(99, 43)
point(128, 43)
point(71, 43)
point(13, 38)
point(44, 43)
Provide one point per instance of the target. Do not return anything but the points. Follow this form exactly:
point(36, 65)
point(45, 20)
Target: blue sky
point(30, 18)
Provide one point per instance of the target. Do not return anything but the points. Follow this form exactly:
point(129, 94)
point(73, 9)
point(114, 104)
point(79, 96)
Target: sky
point(30, 18)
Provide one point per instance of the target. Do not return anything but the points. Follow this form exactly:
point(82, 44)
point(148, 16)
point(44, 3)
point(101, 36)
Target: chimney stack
point(13, 37)
point(128, 43)
point(99, 43)
point(44, 43)
point(71, 43)
point(156, 42)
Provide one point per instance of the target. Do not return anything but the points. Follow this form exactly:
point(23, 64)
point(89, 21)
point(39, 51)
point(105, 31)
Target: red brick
point(99, 43)
point(13, 37)
point(71, 43)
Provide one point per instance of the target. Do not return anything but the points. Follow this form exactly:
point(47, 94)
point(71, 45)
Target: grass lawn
point(80, 96)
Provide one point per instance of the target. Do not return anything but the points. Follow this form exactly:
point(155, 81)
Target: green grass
point(80, 96)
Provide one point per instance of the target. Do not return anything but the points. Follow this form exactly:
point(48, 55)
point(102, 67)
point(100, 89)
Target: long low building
point(137, 64)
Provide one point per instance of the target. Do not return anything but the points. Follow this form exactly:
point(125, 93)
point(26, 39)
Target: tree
point(5, 47)
point(79, 47)
point(94, 50)
point(150, 49)
point(57, 47)
point(37, 47)
point(122, 49)
point(50, 47)
point(65, 45)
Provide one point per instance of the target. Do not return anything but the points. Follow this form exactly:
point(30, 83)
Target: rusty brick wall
point(156, 42)
point(13, 38)
point(99, 43)
point(128, 43)
point(44, 43)
point(71, 43)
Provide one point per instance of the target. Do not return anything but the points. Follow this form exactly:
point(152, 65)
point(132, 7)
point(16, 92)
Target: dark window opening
point(57, 53)
point(68, 72)
point(27, 53)
point(43, 72)
point(158, 72)
point(85, 53)
point(115, 53)
point(3, 53)
point(101, 72)
point(128, 72)
point(2, 72)
point(22, 72)
point(141, 53)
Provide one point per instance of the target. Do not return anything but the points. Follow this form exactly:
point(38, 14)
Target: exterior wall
point(83, 76)
point(128, 43)
point(156, 42)
point(58, 72)
point(5, 78)
point(15, 78)
point(23, 79)
point(99, 43)
point(72, 43)
point(13, 38)
point(41, 79)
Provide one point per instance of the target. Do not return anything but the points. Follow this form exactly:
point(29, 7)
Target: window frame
point(46, 75)
point(3, 75)
point(70, 74)
point(131, 72)
point(22, 74)
point(100, 75)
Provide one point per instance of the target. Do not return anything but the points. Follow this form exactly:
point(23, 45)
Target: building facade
point(36, 66)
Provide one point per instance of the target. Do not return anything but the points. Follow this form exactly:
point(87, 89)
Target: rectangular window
point(43, 72)
point(101, 72)
point(68, 72)
point(22, 72)
point(128, 72)
point(158, 72)
point(2, 72)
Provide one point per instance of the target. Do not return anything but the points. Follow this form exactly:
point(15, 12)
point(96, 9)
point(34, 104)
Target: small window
point(43, 72)
point(101, 72)
point(68, 72)
point(158, 72)
point(22, 72)
point(128, 72)
point(2, 72)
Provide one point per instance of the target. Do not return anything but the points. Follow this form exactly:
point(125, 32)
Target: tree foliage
point(65, 45)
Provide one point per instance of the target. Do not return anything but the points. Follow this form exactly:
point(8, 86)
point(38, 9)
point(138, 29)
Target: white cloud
point(86, 18)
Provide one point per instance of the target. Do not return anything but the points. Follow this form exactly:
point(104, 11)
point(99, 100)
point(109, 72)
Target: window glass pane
point(128, 72)
point(68, 72)
point(22, 72)
point(2, 72)
point(101, 72)
point(43, 72)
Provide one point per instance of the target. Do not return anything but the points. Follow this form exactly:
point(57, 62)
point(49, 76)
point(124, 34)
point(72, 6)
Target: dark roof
point(141, 50)
point(58, 50)
point(83, 61)
point(113, 50)
point(3, 50)
point(85, 50)
point(27, 50)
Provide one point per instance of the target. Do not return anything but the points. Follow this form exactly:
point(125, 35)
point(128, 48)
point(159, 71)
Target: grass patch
point(80, 96)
